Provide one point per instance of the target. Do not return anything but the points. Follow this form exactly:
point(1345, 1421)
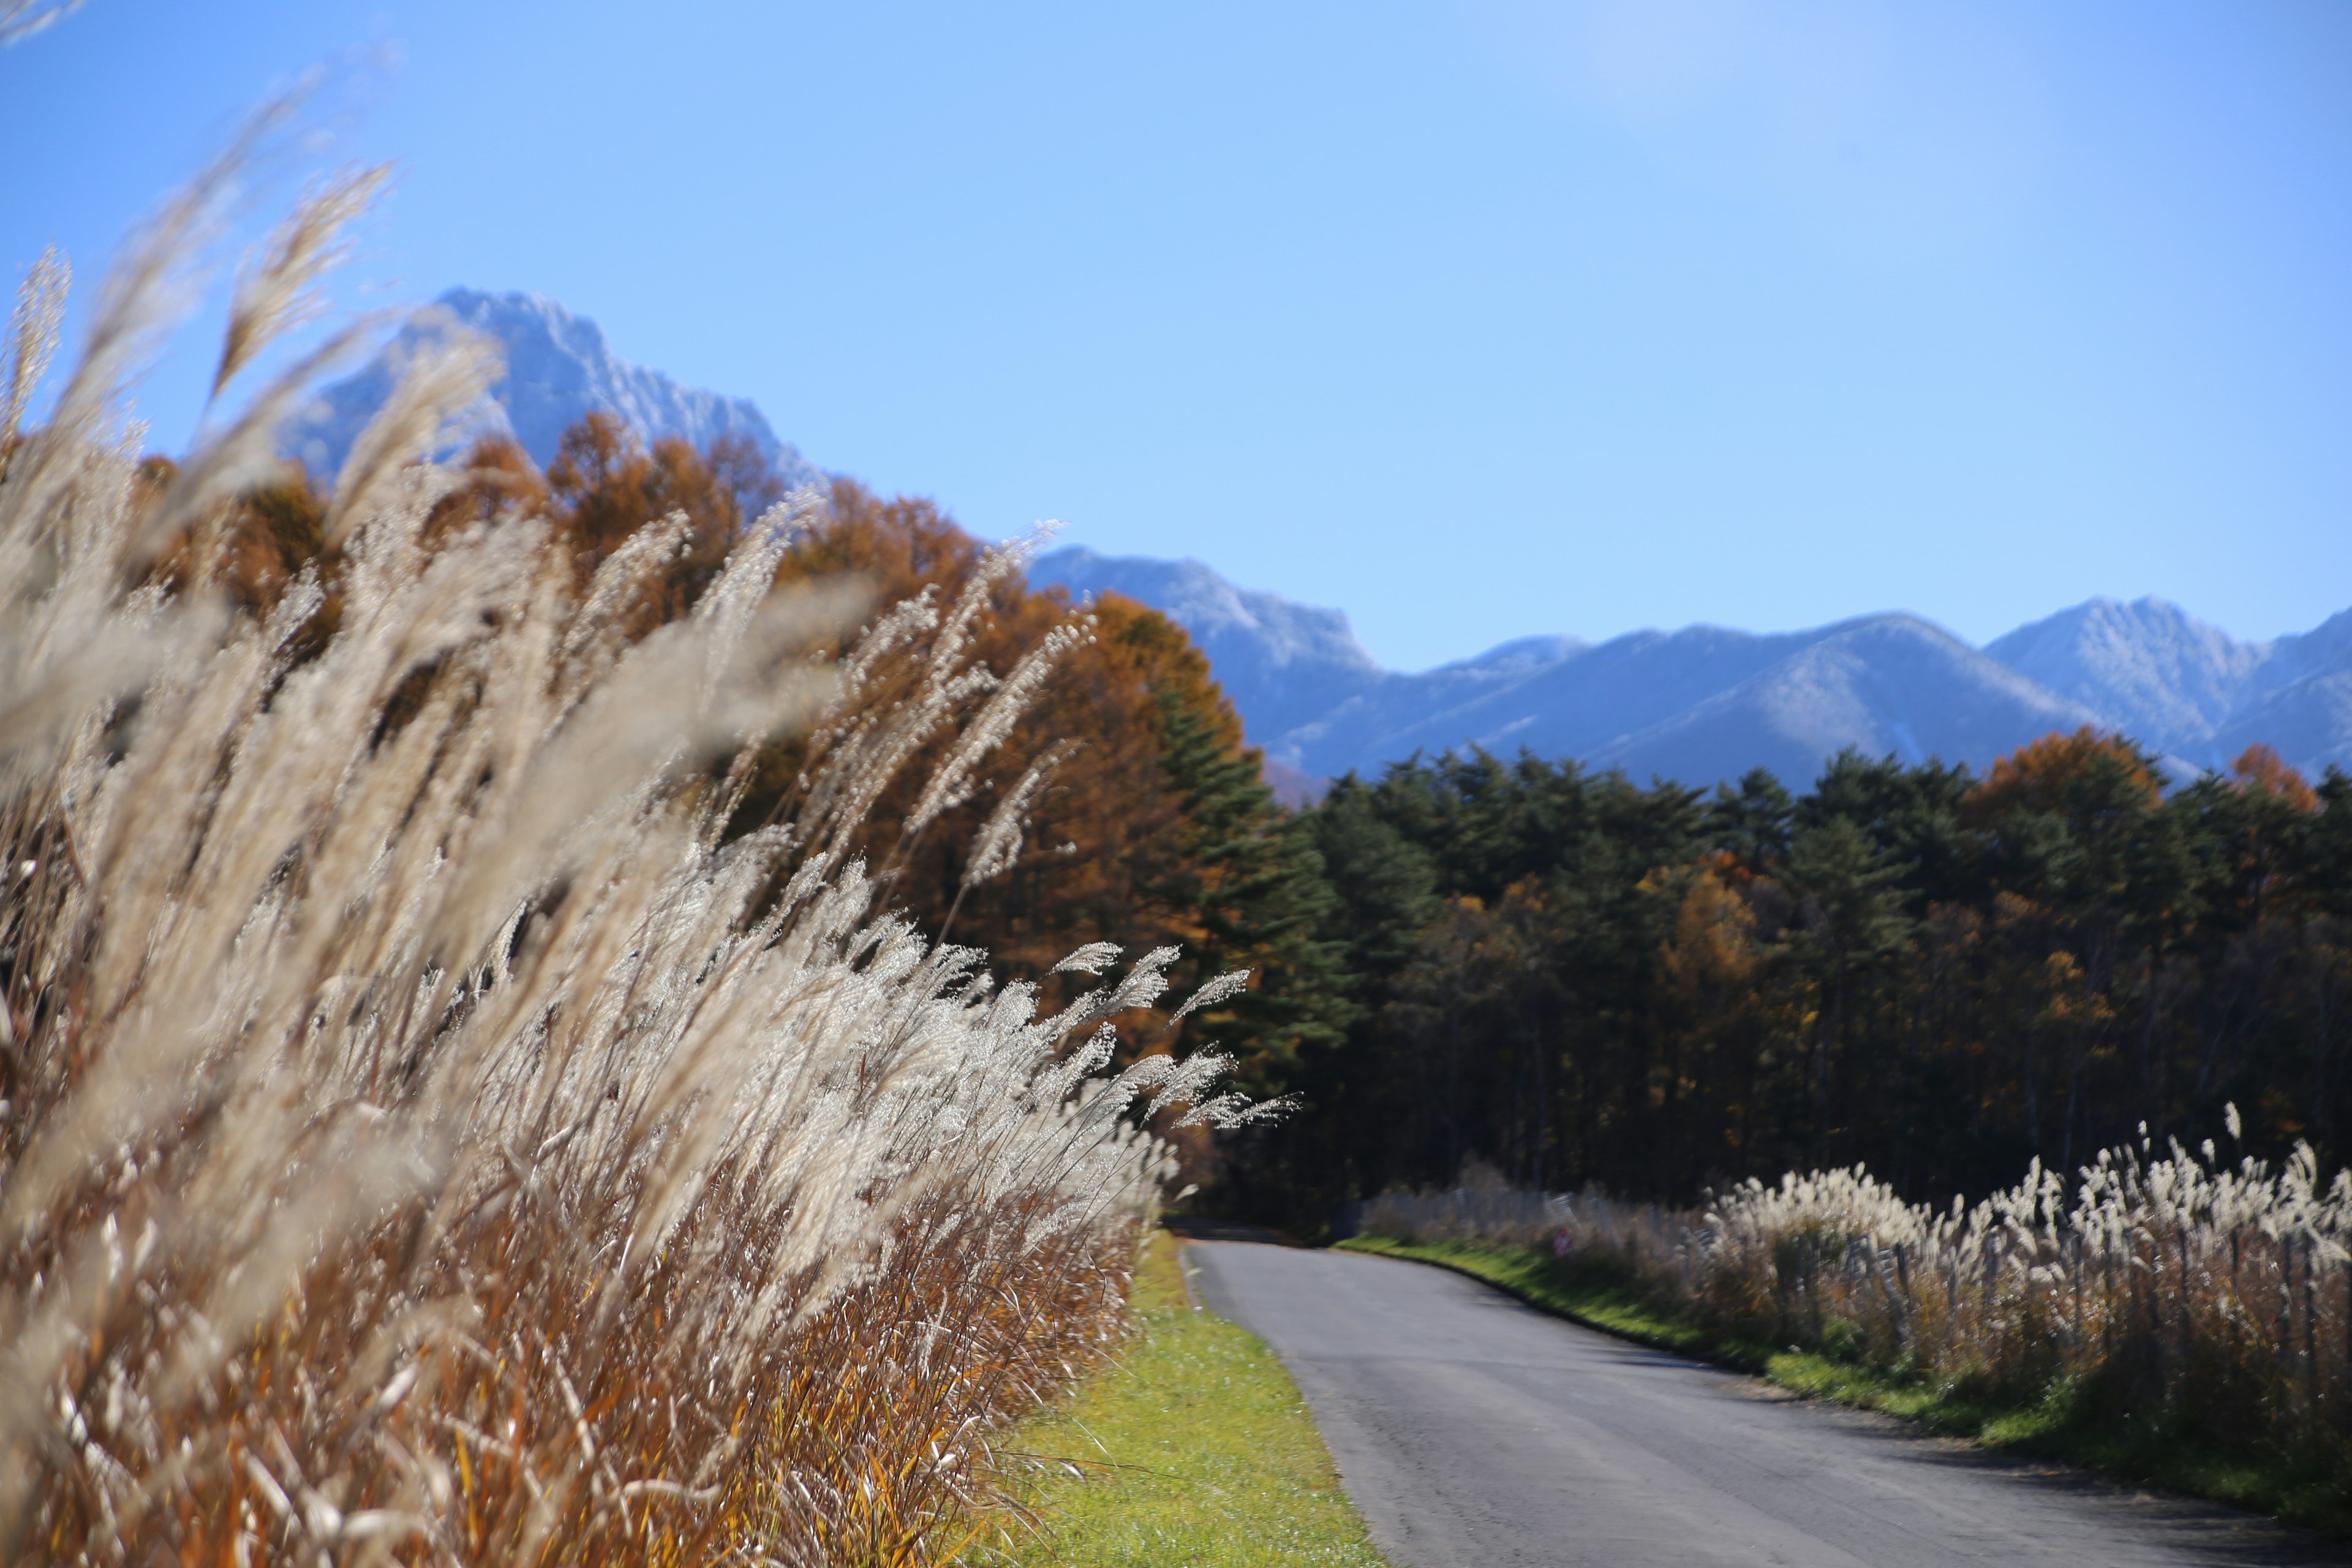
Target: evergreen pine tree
point(1251, 873)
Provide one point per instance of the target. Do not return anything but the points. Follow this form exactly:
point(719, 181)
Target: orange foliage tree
point(2083, 776)
point(1127, 839)
point(1122, 839)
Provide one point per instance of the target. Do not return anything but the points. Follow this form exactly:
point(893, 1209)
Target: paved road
point(1474, 1431)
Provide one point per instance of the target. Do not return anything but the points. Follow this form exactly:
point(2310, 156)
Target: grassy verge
point(1194, 1449)
point(2059, 1426)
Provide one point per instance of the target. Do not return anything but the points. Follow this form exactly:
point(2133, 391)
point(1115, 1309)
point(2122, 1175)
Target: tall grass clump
point(431, 1129)
point(2163, 1294)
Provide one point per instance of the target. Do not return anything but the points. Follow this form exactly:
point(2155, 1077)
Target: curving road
point(1472, 1430)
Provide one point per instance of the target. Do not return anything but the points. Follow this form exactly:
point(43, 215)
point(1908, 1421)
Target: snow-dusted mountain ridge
point(2189, 689)
point(1283, 664)
point(1706, 703)
point(559, 366)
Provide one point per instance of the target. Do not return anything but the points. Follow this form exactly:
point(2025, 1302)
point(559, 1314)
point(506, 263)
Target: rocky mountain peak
point(558, 366)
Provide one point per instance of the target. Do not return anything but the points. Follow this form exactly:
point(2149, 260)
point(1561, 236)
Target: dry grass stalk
point(421, 1137)
point(33, 338)
point(20, 19)
point(277, 292)
point(2164, 1282)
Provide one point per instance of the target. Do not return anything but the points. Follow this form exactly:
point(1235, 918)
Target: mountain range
point(1707, 703)
point(1700, 704)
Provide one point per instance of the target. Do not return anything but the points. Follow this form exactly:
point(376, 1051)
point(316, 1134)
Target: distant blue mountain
point(1284, 665)
point(2191, 689)
point(1706, 703)
point(558, 367)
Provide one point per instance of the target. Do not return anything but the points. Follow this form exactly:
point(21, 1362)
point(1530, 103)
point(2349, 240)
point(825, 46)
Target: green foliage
point(1252, 879)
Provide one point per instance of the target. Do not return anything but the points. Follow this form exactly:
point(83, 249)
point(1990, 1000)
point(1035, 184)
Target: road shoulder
point(1192, 1447)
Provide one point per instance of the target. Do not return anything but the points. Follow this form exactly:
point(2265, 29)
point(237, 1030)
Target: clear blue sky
point(1478, 321)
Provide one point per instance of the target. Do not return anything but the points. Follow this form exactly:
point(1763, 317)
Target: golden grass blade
point(277, 292)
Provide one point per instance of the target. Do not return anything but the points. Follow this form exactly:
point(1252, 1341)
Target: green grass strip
point(2058, 1427)
point(1193, 1449)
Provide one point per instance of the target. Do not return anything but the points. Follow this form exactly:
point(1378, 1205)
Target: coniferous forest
point(1577, 979)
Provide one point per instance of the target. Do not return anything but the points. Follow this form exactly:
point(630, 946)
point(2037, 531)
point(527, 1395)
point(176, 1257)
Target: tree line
point(1567, 976)
point(1944, 976)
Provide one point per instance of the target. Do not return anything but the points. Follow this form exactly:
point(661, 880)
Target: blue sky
point(1478, 320)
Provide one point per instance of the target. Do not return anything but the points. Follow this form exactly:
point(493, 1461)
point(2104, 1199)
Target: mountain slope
point(2168, 679)
point(2308, 722)
point(2191, 689)
point(1707, 703)
point(558, 367)
point(1575, 703)
point(1885, 685)
point(1282, 663)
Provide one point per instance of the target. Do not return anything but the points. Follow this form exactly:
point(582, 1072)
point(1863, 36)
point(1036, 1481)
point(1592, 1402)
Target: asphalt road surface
point(1472, 1430)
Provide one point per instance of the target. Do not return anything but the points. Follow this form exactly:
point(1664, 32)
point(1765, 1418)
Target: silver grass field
point(2166, 1293)
point(425, 1136)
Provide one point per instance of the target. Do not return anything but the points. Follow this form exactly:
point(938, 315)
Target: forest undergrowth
point(2167, 1316)
point(435, 1126)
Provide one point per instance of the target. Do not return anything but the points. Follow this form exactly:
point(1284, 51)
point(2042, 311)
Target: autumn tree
point(1710, 1001)
point(605, 484)
point(498, 481)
